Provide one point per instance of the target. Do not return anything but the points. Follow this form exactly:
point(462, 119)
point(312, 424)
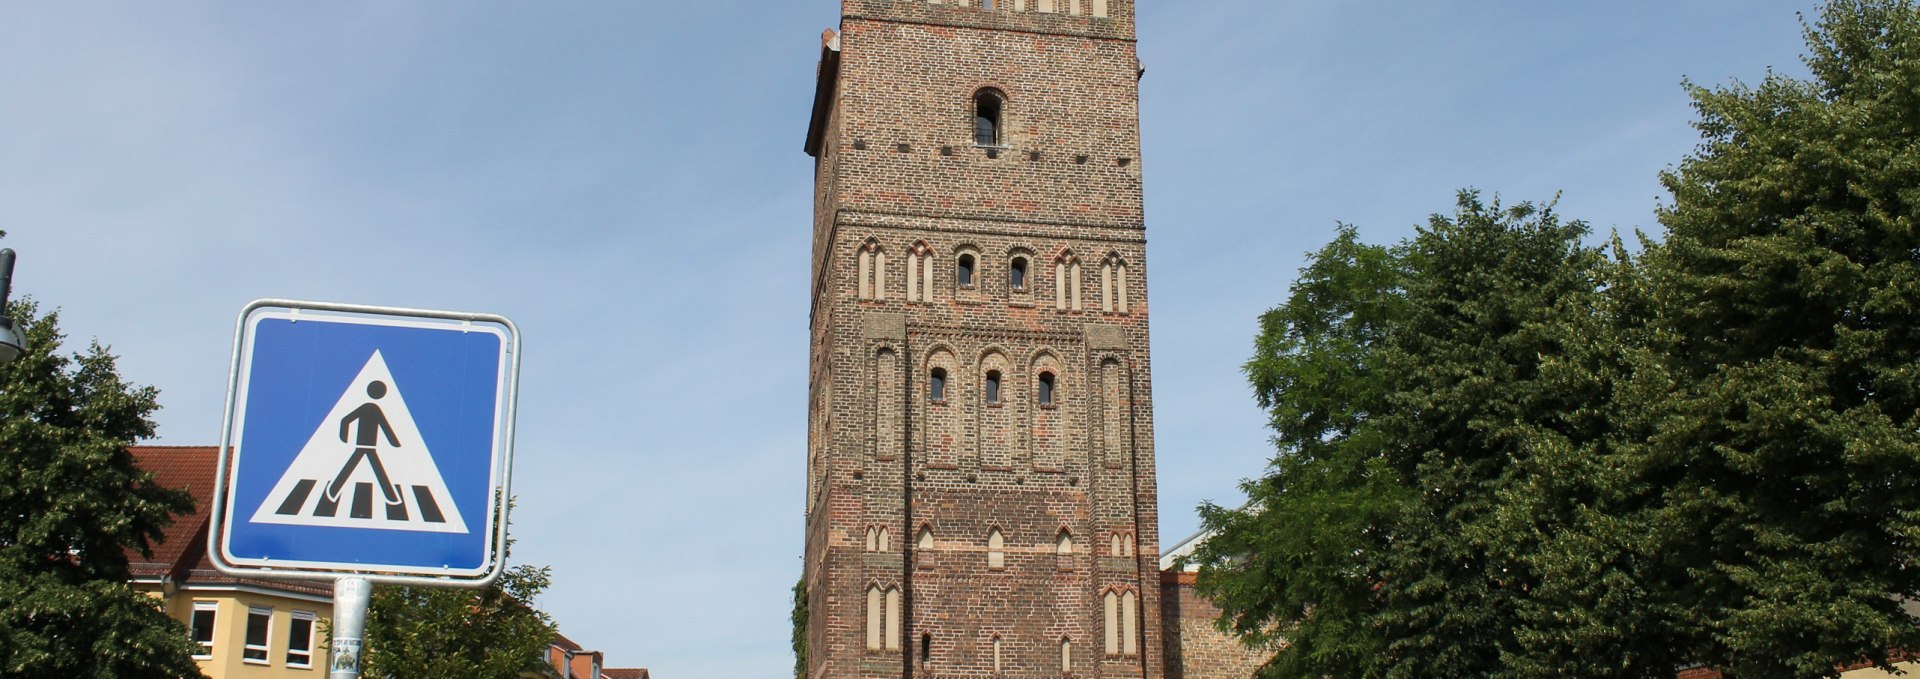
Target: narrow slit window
point(964, 273)
point(937, 385)
point(926, 648)
point(1046, 389)
point(1017, 274)
point(988, 107)
point(993, 386)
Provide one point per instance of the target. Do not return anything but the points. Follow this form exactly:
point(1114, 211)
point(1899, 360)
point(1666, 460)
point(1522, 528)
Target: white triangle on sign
point(336, 480)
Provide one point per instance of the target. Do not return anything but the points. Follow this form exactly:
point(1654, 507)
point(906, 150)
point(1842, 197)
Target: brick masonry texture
point(899, 176)
point(1196, 649)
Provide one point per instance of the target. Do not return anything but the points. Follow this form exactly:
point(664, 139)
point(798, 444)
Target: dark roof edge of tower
point(829, 78)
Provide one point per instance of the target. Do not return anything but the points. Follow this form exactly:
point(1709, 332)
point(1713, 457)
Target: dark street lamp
point(10, 343)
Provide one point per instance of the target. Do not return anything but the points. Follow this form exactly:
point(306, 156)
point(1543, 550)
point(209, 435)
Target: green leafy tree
point(1791, 280)
point(1506, 454)
point(800, 628)
point(451, 633)
point(1411, 389)
point(72, 501)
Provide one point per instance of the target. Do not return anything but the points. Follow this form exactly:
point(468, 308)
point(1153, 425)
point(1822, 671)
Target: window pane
point(966, 270)
point(937, 385)
point(203, 626)
point(257, 623)
point(993, 387)
point(1018, 277)
point(300, 641)
point(1046, 389)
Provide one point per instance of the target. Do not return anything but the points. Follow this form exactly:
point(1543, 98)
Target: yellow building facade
point(246, 628)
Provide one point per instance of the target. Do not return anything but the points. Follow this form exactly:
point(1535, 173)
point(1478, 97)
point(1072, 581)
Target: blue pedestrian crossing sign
point(367, 440)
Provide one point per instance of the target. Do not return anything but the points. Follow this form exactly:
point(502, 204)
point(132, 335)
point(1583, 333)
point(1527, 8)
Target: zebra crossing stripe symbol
point(365, 467)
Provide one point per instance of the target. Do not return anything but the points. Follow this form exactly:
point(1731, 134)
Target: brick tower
point(980, 490)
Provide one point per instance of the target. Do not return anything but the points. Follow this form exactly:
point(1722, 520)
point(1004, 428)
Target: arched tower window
point(1046, 389)
point(1017, 274)
point(937, 385)
point(963, 274)
point(988, 108)
point(993, 387)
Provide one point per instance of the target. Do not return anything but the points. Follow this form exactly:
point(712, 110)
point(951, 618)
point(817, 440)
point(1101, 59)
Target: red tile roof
point(634, 673)
point(182, 553)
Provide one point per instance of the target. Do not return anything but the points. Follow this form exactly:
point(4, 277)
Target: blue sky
point(626, 181)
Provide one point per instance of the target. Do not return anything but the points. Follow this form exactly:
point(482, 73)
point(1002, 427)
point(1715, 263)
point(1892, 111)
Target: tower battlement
point(1091, 18)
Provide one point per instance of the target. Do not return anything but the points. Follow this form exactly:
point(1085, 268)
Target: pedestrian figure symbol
point(367, 451)
point(372, 425)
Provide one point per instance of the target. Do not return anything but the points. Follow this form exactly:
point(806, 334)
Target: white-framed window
point(206, 615)
point(300, 639)
point(259, 636)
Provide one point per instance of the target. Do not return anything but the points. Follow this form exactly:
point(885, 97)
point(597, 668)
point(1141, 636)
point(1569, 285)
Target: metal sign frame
point(501, 494)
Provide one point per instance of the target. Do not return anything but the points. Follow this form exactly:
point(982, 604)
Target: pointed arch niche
point(1066, 282)
point(942, 438)
point(1046, 426)
point(873, 271)
point(998, 409)
point(887, 405)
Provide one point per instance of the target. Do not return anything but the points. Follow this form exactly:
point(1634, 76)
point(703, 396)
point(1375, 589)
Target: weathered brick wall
point(1195, 648)
point(898, 170)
